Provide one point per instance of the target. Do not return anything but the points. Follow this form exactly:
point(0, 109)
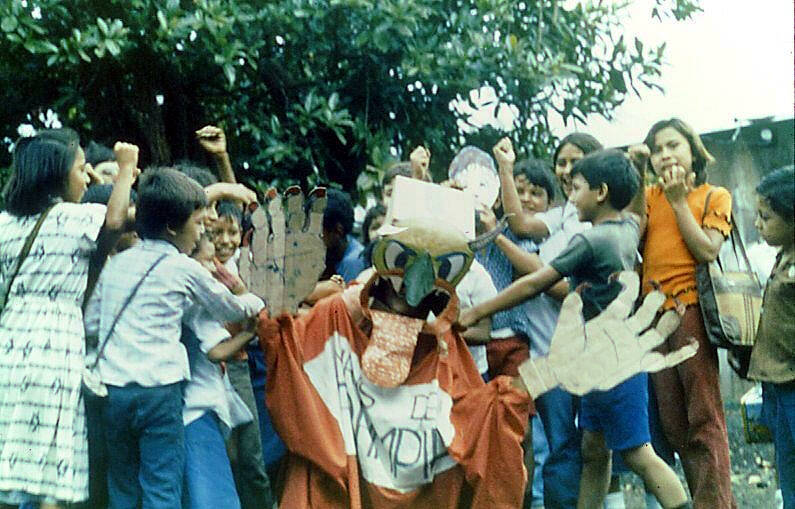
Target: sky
point(731, 63)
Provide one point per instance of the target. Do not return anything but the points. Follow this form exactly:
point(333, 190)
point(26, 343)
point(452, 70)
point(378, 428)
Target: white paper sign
point(416, 199)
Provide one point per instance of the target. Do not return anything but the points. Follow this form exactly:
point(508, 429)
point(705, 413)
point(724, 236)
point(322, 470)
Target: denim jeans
point(778, 407)
point(208, 476)
point(558, 409)
point(146, 450)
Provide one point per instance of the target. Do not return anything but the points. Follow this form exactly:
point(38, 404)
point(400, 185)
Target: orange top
point(666, 258)
point(443, 439)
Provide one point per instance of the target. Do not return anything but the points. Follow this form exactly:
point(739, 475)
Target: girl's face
point(533, 197)
point(568, 155)
point(226, 237)
point(670, 148)
point(776, 230)
point(77, 179)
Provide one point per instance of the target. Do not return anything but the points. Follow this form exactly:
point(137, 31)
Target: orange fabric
point(666, 258)
point(483, 456)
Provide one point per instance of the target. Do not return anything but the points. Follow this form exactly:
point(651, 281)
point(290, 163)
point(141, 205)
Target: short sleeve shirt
point(593, 256)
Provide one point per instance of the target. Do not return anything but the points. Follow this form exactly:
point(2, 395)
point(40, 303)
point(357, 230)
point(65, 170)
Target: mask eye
point(451, 265)
point(396, 255)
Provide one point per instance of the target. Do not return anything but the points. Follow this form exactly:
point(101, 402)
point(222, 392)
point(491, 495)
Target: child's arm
point(520, 290)
point(526, 263)
point(325, 288)
point(226, 349)
point(217, 298)
point(213, 140)
point(703, 243)
point(227, 191)
point(479, 333)
point(521, 223)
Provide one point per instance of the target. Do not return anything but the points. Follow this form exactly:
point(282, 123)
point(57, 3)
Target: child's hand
point(227, 191)
point(127, 157)
point(504, 154)
point(420, 159)
point(487, 217)
point(93, 177)
point(212, 139)
point(231, 281)
point(676, 183)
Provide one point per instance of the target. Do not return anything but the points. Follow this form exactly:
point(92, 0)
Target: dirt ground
point(753, 476)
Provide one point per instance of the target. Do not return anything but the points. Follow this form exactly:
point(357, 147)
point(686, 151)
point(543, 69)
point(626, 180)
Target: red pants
point(691, 413)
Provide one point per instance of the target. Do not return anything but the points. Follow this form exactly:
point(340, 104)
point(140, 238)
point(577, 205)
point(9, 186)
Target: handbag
point(21, 258)
point(92, 382)
point(730, 301)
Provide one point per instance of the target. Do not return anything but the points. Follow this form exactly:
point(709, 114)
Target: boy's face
point(533, 197)
point(187, 236)
point(226, 237)
point(776, 230)
point(584, 198)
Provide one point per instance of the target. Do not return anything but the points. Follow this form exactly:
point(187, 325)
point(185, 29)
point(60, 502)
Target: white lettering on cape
point(400, 436)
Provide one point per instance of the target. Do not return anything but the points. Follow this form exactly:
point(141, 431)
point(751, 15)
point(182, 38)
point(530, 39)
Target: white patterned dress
point(43, 448)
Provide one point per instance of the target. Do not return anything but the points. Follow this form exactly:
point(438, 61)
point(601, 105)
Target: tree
point(315, 90)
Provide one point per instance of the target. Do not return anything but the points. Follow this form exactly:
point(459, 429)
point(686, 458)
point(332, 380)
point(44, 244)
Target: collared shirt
point(352, 262)
point(145, 345)
point(209, 389)
point(475, 287)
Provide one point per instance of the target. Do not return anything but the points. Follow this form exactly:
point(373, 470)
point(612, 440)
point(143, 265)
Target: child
point(212, 408)
point(248, 464)
point(679, 234)
point(773, 355)
point(141, 359)
point(43, 450)
point(531, 324)
point(602, 185)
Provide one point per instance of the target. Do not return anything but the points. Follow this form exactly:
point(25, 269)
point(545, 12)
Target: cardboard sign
point(413, 198)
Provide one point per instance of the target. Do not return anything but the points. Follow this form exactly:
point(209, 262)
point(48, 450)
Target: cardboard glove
point(608, 349)
point(285, 255)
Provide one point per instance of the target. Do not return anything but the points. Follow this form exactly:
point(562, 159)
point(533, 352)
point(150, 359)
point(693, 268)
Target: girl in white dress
point(43, 449)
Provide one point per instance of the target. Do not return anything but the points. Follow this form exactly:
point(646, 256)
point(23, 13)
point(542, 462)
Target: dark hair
point(166, 198)
point(339, 209)
point(369, 217)
point(778, 189)
point(231, 210)
point(401, 168)
point(613, 168)
point(582, 141)
point(100, 193)
point(40, 170)
point(201, 175)
point(537, 173)
point(96, 153)
point(701, 157)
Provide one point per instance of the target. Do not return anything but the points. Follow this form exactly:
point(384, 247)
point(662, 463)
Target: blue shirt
point(352, 263)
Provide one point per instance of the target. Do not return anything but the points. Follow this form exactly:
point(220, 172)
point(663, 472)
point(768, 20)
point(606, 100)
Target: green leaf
point(103, 27)
point(419, 278)
point(617, 80)
point(161, 19)
point(229, 72)
point(113, 47)
point(9, 24)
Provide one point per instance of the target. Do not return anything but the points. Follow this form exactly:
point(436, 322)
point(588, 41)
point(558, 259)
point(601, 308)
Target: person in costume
point(379, 406)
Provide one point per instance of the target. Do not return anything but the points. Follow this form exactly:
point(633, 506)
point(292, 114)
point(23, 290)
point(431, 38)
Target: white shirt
point(145, 346)
point(209, 389)
point(475, 287)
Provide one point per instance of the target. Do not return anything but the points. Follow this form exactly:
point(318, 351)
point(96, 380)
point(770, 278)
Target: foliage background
point(316, 91)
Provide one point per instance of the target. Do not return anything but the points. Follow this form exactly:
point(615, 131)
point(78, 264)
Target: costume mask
point(419, 258)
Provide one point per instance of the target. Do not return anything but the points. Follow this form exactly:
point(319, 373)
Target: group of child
point(166, 308)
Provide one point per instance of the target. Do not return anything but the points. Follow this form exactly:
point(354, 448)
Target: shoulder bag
point(21, 258)
point(730, 302)
point(92, 382)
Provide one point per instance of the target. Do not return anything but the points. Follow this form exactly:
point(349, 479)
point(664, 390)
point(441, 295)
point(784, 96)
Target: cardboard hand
point(608, 349)
point(286, 254)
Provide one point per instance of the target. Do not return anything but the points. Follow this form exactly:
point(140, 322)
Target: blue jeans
point(208, 475)
point(146, 448)
point(778, 410)
point(558, 409)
